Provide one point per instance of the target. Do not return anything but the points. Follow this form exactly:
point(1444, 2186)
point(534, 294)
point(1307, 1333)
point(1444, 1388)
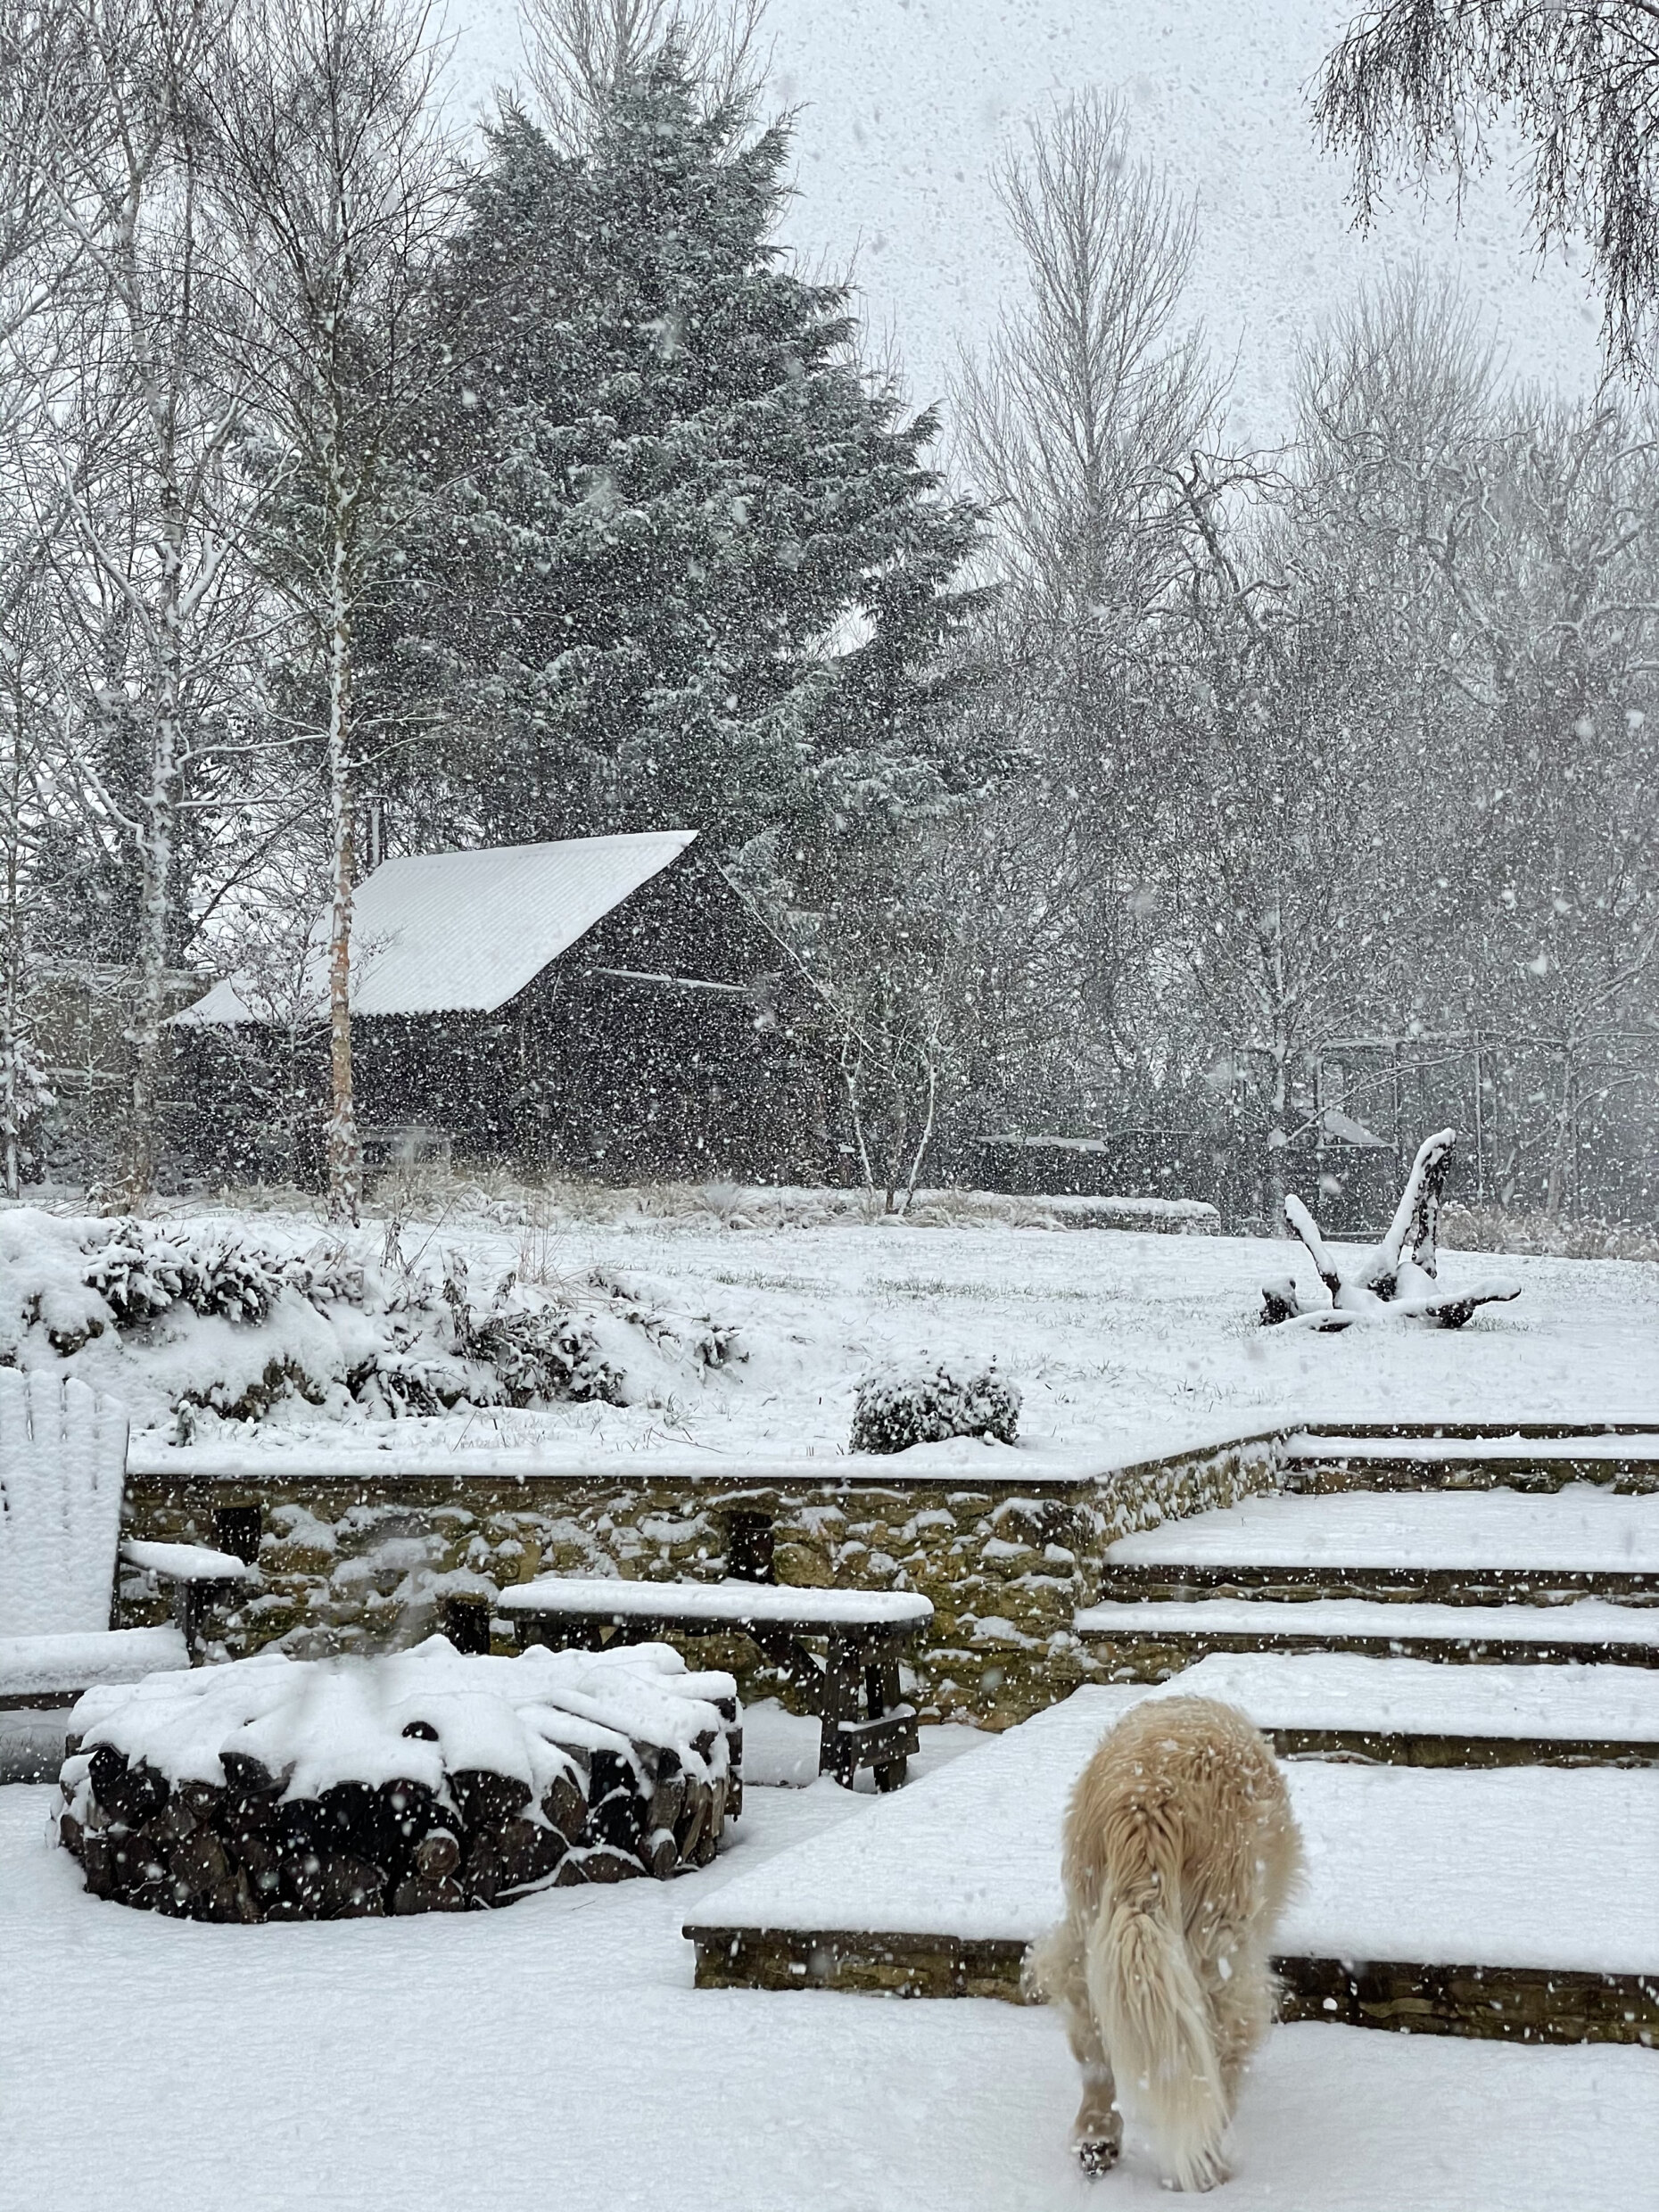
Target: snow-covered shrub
point(281, 1380)
point(711, 1343)
point(241, 1282)
point(541, 1355)
point(1487, 1228)
point(898, 1406)
point(140, 1273)
point(199, 1325)
point(327, 1275)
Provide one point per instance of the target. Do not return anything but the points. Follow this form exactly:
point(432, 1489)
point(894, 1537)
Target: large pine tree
point(689, 563)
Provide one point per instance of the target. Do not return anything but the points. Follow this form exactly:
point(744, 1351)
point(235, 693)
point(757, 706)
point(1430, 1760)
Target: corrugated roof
point(464, 932)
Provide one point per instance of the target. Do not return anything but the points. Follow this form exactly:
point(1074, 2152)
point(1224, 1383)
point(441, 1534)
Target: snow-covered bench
point(864, 1632)
point(62, 1466)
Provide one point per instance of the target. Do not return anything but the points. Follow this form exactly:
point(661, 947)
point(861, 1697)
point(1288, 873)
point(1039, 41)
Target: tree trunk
point(345, 1169)
point(157, 831)
point(1555, 1190)
point(1279, 1102)
point(11, 1015)
point(12, 955)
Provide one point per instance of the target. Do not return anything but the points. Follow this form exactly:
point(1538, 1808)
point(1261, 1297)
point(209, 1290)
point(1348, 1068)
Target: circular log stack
point(247, 1848)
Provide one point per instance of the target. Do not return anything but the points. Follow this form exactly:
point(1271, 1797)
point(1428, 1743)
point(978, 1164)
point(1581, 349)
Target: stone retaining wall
point(1494, 2004)
point(363, 1563)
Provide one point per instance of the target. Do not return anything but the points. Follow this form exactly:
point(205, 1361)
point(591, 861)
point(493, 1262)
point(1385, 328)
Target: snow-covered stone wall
point(366, 1562)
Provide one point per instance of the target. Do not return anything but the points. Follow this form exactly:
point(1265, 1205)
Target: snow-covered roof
point(450, 932)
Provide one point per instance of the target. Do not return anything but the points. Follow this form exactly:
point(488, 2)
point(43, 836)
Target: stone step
point(1517, 1903)
point(1400, 1711)
point(1453, 1549)
point(1462, 1458)
point(1139, 1641)
point(1485, 1587)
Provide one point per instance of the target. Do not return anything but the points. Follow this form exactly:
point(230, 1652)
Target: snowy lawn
point(1117, 1339)
point(555, 2054)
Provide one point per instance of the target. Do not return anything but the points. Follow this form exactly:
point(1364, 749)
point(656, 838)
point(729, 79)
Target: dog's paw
point(1096, 2156)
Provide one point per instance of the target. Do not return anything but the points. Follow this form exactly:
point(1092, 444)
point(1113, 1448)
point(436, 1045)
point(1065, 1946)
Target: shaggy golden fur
point(1180, 1851)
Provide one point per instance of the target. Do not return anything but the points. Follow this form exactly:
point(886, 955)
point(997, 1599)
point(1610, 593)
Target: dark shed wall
point(606, 1074)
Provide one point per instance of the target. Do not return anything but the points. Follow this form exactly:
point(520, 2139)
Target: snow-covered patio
point(557, 2054)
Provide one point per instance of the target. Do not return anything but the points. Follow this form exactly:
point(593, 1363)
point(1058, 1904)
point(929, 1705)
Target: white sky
point(905, 104)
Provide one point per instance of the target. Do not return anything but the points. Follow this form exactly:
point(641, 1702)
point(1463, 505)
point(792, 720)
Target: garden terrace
point(1443, 1903)
point(360, 1552)
point(363, 1550)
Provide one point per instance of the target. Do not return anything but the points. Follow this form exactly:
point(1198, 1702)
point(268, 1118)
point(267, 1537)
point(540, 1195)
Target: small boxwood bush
point(897, 1407)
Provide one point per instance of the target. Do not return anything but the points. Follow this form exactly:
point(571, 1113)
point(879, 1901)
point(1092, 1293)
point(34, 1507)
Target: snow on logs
point(426, 1781)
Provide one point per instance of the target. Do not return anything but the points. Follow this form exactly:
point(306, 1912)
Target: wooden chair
point(62, 1469)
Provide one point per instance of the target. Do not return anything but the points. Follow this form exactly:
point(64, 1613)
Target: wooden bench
point(63, 1471)
point(855, 1690)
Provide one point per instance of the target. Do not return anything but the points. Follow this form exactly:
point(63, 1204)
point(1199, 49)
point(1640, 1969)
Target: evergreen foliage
point(687, 558)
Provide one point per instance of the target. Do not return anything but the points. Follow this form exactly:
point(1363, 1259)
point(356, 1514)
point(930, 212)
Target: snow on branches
point(199, 1325)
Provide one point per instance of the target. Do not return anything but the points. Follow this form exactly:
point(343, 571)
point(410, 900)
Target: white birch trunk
point(345, 1166)
point(12, 1103)
point(1279, 1061)
point(157, 838)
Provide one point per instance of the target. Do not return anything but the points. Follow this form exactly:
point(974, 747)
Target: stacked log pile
point(428, 1782)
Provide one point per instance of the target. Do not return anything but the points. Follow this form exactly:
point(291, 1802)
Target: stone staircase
point(1480, 1836)
point(1374, 1545)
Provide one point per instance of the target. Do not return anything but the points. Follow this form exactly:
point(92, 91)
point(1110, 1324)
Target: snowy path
point(1578, 1530)
point(555, 2055)
point(1524, 1866)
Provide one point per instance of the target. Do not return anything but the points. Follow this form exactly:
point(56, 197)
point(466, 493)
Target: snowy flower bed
point(280, 1789)
point(204, 1327)
point(897, 1407)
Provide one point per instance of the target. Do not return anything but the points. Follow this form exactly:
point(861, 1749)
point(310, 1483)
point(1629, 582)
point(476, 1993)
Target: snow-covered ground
point(1117, 1340)
point(555, 2054)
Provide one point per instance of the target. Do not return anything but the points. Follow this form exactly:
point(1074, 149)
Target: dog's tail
point(1156, 2022)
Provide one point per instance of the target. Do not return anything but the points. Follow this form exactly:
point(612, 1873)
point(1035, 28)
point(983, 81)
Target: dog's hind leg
point(1242, 2002)
point(1055, 1971)
point(1097, 2132)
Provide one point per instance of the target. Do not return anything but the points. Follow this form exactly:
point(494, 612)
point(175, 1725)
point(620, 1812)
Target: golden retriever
point(1179, 1853)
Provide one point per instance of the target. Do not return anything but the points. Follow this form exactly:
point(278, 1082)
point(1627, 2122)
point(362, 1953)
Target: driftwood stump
point(1399, 1279)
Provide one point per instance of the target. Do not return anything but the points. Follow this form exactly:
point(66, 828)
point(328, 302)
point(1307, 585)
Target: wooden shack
point(603, 1006)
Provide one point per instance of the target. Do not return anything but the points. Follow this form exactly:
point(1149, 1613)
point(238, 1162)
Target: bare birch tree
point(1076, 428)
point(120, 118)
point(577, 52)
point(1418, 85)
point(27, 732)
point(334, 175)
